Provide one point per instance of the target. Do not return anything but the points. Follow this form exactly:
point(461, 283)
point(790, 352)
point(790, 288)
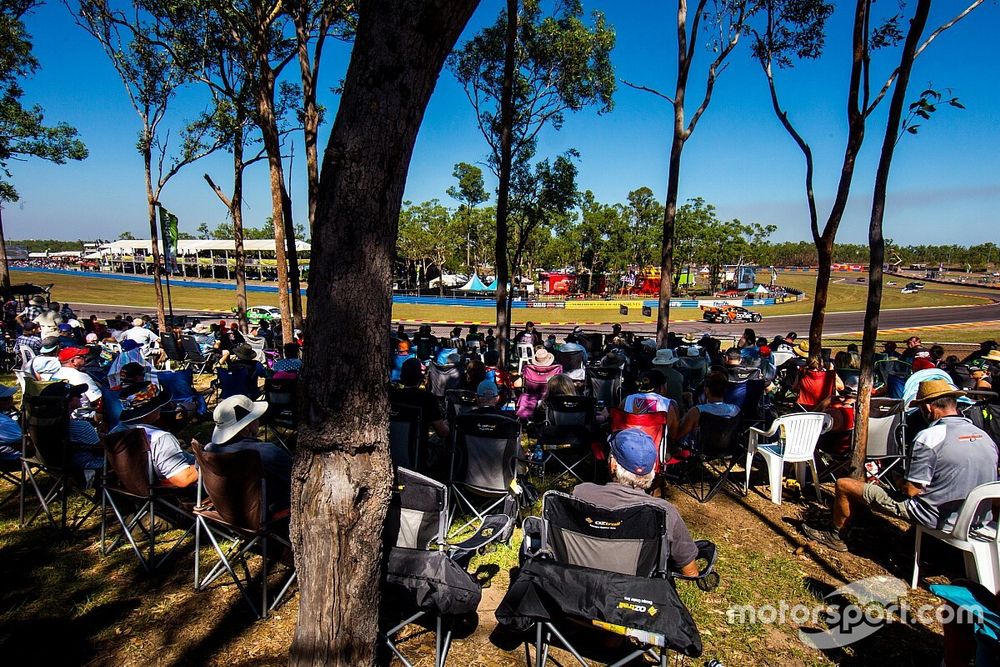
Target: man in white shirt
point(49, 320)
point(142, 404)
point(72, 360)
point(141, 335)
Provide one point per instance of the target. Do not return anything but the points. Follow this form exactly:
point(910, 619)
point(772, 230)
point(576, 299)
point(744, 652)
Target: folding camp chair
point(484, 462)
point(257, 344)
point(199, 362)
point(46, 449)
point(235, 382)
point(236, 510)
point(404, 435)
point(138, 499)
point(458, 402)
point(442, 377)
point(567, 435)
point(604, 383)
point(171, 347)
point(570, 360)
point(180, 384)
point(717, 441)
point(281, 419)
point(534, 380)
point(426, 577)
point(653, 423)
point(590, 569)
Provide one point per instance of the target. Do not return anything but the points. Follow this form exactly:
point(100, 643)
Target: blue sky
point(944, 188)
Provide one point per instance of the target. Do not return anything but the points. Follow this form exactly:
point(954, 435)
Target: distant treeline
point(803, 253)
point(52, 245)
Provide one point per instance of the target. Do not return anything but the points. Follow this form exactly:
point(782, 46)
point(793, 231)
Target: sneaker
point(827, 537)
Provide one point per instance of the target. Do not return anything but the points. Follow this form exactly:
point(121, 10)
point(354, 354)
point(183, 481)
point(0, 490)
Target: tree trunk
point(236, 212)
point(294, 282)
point(824, 251)
point(876, 240)
point(503, 189)
point(342, 476)
point(4, 268)
point(272, 145)
point(154, 235)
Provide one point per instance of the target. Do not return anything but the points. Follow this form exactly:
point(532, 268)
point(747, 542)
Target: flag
point(168, 230)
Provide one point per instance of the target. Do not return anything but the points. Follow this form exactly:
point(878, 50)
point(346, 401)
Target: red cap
point(68, 353)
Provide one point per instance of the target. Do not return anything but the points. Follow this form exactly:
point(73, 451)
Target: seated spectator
point(244, 357)
point(949, 459)
point(982, 380)
point(936, 354)
point(145, 338)
point(736, 370)
point(840, 438)
point(572, 344)
point(72, 360)
point(528, 335)
point(10, 429)
point(984, 349)
point(631, 463)
point(409, 392)
point(558, 385)
point(715, 392)
point(290, 362)
point(264, 331)
point(66, 337)
point(401, 354)
point(815, 383)
point(487, 398)
point(142, 405)
point(236, 423)
point(673, 381)
point(490, 341)
point(649, 399)
point(475, 372)
point(889, 350)
point(134, 373)
point(474, 337)
point(502, 378)
point(29, 339)
point(87, 453)
point(786, 344)
point(44, 368)
point(914, 346)
point(48, 320)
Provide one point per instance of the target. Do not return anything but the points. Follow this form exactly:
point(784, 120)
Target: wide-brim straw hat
point(994, 355)
point(544, 358)
point(801, 348)
point(930, 390)
point(233, 414)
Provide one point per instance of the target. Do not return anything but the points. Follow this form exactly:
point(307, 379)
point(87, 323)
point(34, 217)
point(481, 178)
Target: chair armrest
point(707, 579)
point(494, 528)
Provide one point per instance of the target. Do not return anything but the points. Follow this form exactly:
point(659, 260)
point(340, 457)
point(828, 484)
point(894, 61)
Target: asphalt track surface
point(837, 324)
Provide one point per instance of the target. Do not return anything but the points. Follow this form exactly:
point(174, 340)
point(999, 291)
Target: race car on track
point(727, 314)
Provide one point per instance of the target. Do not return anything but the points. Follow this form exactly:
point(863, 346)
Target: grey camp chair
point(567, 434)
point(404, 435)
point(589, 569)
point(46, 450)
point(426, 577)
point(484, 463)
point(604, 384)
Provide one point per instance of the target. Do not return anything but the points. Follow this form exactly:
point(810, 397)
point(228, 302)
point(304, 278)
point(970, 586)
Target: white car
point(909, 290)
point(891, 283)
point(258, 314)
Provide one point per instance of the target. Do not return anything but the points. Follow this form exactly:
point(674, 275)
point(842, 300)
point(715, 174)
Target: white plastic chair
point(525, 355)
point(796, 443)
point(27, 354)
point(980, 543)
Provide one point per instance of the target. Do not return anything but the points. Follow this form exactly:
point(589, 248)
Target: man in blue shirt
point(10, 430)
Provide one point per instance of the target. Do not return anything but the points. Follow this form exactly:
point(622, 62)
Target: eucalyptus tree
point(721, 24)
point(522, 74)
point(342, 477)
point(151, 74)
point(23, 132)
point(470, 192)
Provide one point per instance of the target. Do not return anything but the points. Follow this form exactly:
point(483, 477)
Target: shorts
point(888, 502)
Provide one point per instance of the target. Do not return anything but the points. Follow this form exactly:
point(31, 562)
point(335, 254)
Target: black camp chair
point(567, 433)
point(46, 449)
point(235, 510)
point(172, 348)
point(604, 384)
point(589, 569)
point(281, 418)
point(484, 463)
point(442, 377)
point(458, 402)
point(570, 360)
point(138, 499)
point(426, 577)
point(405, 422)
point(715, 450)
point(199, 362)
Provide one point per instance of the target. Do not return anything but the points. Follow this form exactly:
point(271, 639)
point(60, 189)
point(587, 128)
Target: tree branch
point(648, 90)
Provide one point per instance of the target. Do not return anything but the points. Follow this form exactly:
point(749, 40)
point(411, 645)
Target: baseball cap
point(634, 450)
point(68, 353)
point(487, 389)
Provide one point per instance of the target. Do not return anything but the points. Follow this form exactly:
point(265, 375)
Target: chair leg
point(774, 470)
point(916, 557)
point(746, 484)
point(815, 480)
